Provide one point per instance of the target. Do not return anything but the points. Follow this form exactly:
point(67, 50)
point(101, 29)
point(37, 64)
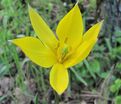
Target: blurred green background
point(97, 78)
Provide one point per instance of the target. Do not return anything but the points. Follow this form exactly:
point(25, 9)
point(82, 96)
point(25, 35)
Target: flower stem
point(42, 80)
point(56, 98)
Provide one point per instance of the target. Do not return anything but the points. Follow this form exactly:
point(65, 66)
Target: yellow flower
point(60, 52)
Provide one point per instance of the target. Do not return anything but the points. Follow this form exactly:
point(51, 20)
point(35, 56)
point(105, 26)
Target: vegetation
point(96, 79)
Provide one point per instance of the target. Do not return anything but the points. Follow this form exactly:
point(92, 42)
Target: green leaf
point(118, 83)
point(118, 39)
point(113, 88)
point(83, 72)
point(89, 69)
point(95, 66)
point(118, 66)
point(116, 51)
point(116, 86)
point(3, 97)
point(36, 99)
point(108, 43)
point(117, 31)
point(103, 74)
point(79, 77)
point(117, 100)
point(4, 70)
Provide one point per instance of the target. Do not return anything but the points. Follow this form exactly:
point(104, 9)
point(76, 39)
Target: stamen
point(65, 51)
point(62, 52)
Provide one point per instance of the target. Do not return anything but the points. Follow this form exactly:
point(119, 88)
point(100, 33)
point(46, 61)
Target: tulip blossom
point(68, 47)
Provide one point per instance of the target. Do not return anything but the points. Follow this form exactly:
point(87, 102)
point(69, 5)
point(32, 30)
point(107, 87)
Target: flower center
point(62, 52)
point(65, 50)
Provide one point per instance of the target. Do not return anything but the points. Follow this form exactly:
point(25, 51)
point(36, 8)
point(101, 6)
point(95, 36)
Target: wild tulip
point(60, 52)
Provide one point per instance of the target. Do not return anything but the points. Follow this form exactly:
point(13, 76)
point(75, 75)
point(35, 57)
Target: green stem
point(42, 79)
point(56, 98)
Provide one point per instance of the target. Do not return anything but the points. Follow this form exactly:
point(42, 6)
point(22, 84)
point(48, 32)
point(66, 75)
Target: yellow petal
point(36, 51)
point(89, 40)
point(93, 32)
point(80, 54)
point(70, 28)
point(42, 30)
point(59, 78)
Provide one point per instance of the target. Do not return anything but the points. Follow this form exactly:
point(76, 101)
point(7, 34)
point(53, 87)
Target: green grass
point(14, 22)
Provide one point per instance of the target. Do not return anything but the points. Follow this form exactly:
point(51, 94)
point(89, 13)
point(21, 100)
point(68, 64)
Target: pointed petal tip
point(10, 41)
point(29, 6)
point(101, 22)
point(77, 2)
point(59, 78)
point(59, 93)
point(29, 9)
point(14, 41)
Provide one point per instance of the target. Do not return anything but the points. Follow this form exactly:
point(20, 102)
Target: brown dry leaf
point(21, 97)
point(6, 84)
